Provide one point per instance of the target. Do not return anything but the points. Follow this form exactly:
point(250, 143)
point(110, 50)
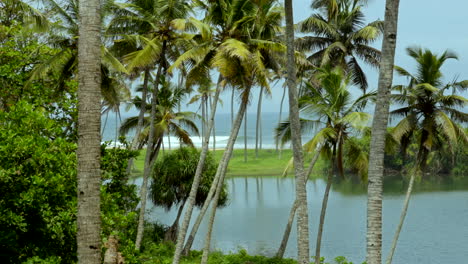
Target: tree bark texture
point(148, 158)
point(196, 181)
point(379, 129)
point(279, 118)
point(301, 191)
point(89, 134)
point(221, 172)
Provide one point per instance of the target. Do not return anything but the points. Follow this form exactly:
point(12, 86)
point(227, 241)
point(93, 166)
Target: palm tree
point(223, 44)
point(428, 110)
point(21, 11)
point(168, 121)
point(153, 24)
point(379, 131)
point(89, 140)
point(65, 37)
point(301, 191)
point(340, 37)
point(338, 116)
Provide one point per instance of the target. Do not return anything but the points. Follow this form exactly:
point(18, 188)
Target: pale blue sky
point(434, 24)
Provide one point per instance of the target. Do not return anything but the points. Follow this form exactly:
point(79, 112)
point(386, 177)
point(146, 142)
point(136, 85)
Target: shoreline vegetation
point(268, 163)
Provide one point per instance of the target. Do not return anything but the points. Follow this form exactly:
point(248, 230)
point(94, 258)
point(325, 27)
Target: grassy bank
point(268, 163)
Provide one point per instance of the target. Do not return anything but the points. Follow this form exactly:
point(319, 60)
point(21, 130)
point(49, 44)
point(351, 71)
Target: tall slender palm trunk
point(421, 160)
point(259, 116)
point(245, 137)
point(141, 117)
point(89, 134)
point(214, 125)
point(379, 129)
point(292, 213)
point(221, 171)
point(402, 220)
point(301, 191)
point(148, 160)
point(196, 180)
point(279, 118)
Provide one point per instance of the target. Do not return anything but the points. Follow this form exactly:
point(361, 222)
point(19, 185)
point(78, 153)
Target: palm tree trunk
point(322, 218)
point(420, 161)
point(214, 126)
point(301, 191)
point(379, 129)
point(89, 134)
point(287, 231)
point(203, 117)
point(221, 171)
point(105, 124)
point(196, 182)
point(148, 163)
point(168, 141)
point(279, 118)
point(245, 137)
point(292, 213)
point(402, 219)
point(141, 117)
point(257, 128)
point(232, 107)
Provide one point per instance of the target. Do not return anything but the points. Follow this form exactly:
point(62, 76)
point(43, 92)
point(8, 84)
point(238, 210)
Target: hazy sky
point(434, 24)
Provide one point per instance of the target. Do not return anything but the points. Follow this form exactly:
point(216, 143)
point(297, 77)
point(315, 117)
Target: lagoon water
point(435, 230)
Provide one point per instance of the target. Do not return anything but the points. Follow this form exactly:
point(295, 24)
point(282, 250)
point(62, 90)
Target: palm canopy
point(335, 117)
point(140, 27)
point(237, 37)
point(63, 36)
point(429, 106)
point(339, 35)
point(167, 120)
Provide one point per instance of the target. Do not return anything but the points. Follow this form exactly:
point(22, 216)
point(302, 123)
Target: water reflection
point(436, 230)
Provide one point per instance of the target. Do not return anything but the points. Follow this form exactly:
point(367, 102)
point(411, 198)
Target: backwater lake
point(435, 230)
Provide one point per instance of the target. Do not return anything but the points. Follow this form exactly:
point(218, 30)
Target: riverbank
point(268, 163)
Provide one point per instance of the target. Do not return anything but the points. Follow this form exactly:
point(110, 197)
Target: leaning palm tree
point(337, 116)
point(338, 35)
point(379, 131)
point(431, 108)
point(89, 140)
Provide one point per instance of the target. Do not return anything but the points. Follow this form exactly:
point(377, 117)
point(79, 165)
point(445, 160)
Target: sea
point(269, 121)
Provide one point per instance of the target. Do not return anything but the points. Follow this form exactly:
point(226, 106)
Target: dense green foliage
point(173, 176)
point(38, 186)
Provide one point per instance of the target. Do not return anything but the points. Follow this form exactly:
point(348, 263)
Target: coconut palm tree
point(379, 131)
point(21, 11)
point(337, 116)
point(64, 36)
point(153, 25)
point(89, 140)
point(168, 121)
point(223, 44)
point(338, 35)
point(301, 191)
point(431, 108)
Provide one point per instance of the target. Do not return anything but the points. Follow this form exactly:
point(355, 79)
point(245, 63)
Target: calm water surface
point(435, 230)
